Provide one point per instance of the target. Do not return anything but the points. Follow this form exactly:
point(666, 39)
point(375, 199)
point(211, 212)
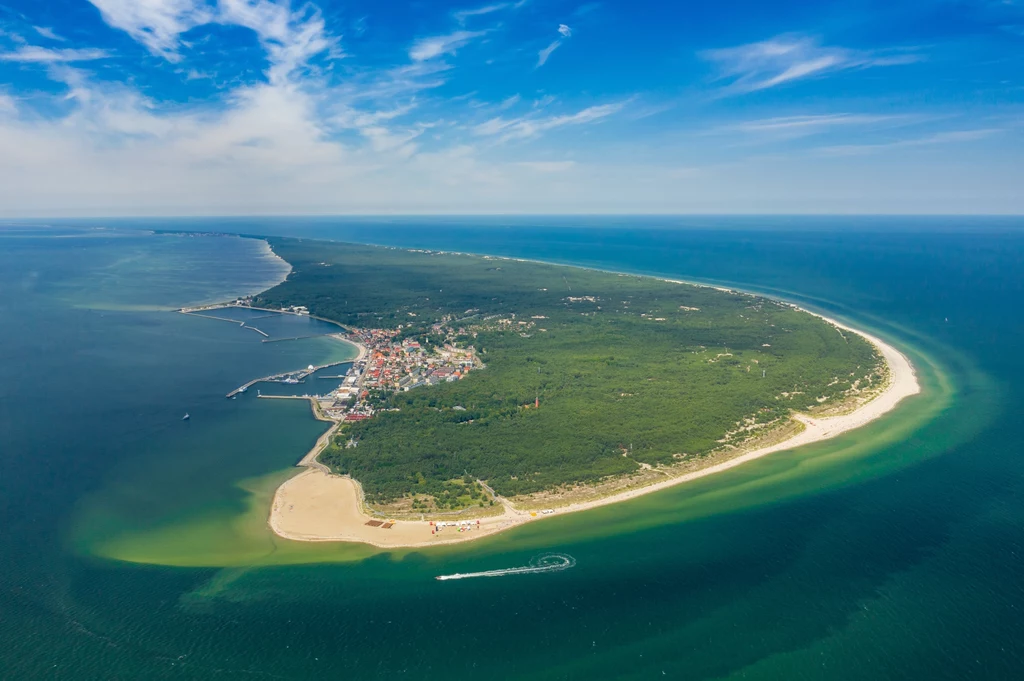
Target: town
point(392, 361)
point(389, 360)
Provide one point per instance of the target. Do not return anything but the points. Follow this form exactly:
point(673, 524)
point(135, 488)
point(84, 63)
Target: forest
point(627, 370)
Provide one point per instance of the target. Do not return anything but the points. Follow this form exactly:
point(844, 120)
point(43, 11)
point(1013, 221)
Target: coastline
point(310, 459)
point(317, 506)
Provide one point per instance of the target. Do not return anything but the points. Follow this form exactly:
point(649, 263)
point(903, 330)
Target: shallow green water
point(891, 552)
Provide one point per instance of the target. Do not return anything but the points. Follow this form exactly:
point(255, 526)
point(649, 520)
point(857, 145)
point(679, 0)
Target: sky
point(270, 107)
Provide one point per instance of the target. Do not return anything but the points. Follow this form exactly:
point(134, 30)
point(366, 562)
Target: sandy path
point(315, 506)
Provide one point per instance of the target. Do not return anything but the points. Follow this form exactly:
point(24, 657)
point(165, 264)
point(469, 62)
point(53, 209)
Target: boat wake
point(549, 562)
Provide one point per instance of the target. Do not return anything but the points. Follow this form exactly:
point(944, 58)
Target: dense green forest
point(628, 369)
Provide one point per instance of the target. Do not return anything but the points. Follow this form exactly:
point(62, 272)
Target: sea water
point(135, 544)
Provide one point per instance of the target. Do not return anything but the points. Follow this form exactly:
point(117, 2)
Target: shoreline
point(331, 507)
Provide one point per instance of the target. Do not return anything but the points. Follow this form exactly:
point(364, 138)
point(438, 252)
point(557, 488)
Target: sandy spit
point(316, 506)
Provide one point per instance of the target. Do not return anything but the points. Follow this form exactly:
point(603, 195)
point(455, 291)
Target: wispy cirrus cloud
point(809, 123)
point(439, 45)
point(289, 37)
point(784, 59)
point(509, 102)
point(946, 137)
point(782, 128)
point(157, 24)
point(30, 54)
point(462, 15)
point(47, 33)
point(530, 126)
point(564, 32)
point(544, 54)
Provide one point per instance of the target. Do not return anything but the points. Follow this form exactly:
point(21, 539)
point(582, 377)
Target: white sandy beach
point(316, 506)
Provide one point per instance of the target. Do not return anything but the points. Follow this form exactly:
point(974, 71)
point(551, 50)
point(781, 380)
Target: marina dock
point(298, 375)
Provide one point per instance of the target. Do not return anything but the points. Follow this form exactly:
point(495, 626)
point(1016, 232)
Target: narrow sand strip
point(315, 506)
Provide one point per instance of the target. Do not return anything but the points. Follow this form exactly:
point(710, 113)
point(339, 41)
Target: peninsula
point(494, 391)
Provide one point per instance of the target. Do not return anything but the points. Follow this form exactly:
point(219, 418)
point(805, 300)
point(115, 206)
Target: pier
point(225, 306)
point(300, 375)
point(210, 316)
point(278, 340)
point(228, 319)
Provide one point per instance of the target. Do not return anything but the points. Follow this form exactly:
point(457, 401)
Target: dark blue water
point(900, 562)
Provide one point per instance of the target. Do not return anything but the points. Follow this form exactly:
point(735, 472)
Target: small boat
point(186, 417)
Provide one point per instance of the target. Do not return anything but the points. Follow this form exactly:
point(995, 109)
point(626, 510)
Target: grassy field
point(631, 372)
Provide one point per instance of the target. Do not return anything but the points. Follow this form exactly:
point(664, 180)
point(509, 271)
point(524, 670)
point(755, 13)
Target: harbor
point(289, 377)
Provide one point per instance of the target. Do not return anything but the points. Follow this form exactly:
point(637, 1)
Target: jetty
point(278, 378)
point(278, 340)
point(225, 306)
point(193, 312)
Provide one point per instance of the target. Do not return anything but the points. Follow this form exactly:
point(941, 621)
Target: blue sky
point(204, 107)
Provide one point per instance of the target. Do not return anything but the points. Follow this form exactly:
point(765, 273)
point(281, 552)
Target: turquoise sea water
point(134, 544)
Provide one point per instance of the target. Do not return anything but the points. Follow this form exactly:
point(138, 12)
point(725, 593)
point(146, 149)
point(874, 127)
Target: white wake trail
point(549, 562)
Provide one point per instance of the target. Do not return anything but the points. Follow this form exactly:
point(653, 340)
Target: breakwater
point(277, 378)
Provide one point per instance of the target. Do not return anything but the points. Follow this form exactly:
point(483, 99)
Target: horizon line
point(245, 216)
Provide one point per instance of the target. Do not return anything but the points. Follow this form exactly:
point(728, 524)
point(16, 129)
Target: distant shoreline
point(318, 506)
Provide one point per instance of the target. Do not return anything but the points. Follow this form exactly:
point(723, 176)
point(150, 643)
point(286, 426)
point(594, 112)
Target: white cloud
point(372, 126)
point(47, 33)
point(30, 54)
point(290, 38)
point(464, 14)
point(809, 122)
point(394, 83)
point(383, 139)
point(439, 45)
point(947, 137)
point(378, 140)
point(524, 127)
point(509, 102)
point(157, 24)
point(492, 126)
point(542, 56)
point(767, 64)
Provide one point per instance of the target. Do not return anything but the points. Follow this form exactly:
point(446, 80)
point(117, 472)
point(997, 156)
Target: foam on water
point(548, 562)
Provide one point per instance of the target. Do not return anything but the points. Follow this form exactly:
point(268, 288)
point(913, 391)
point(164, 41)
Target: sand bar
point(317, 506)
